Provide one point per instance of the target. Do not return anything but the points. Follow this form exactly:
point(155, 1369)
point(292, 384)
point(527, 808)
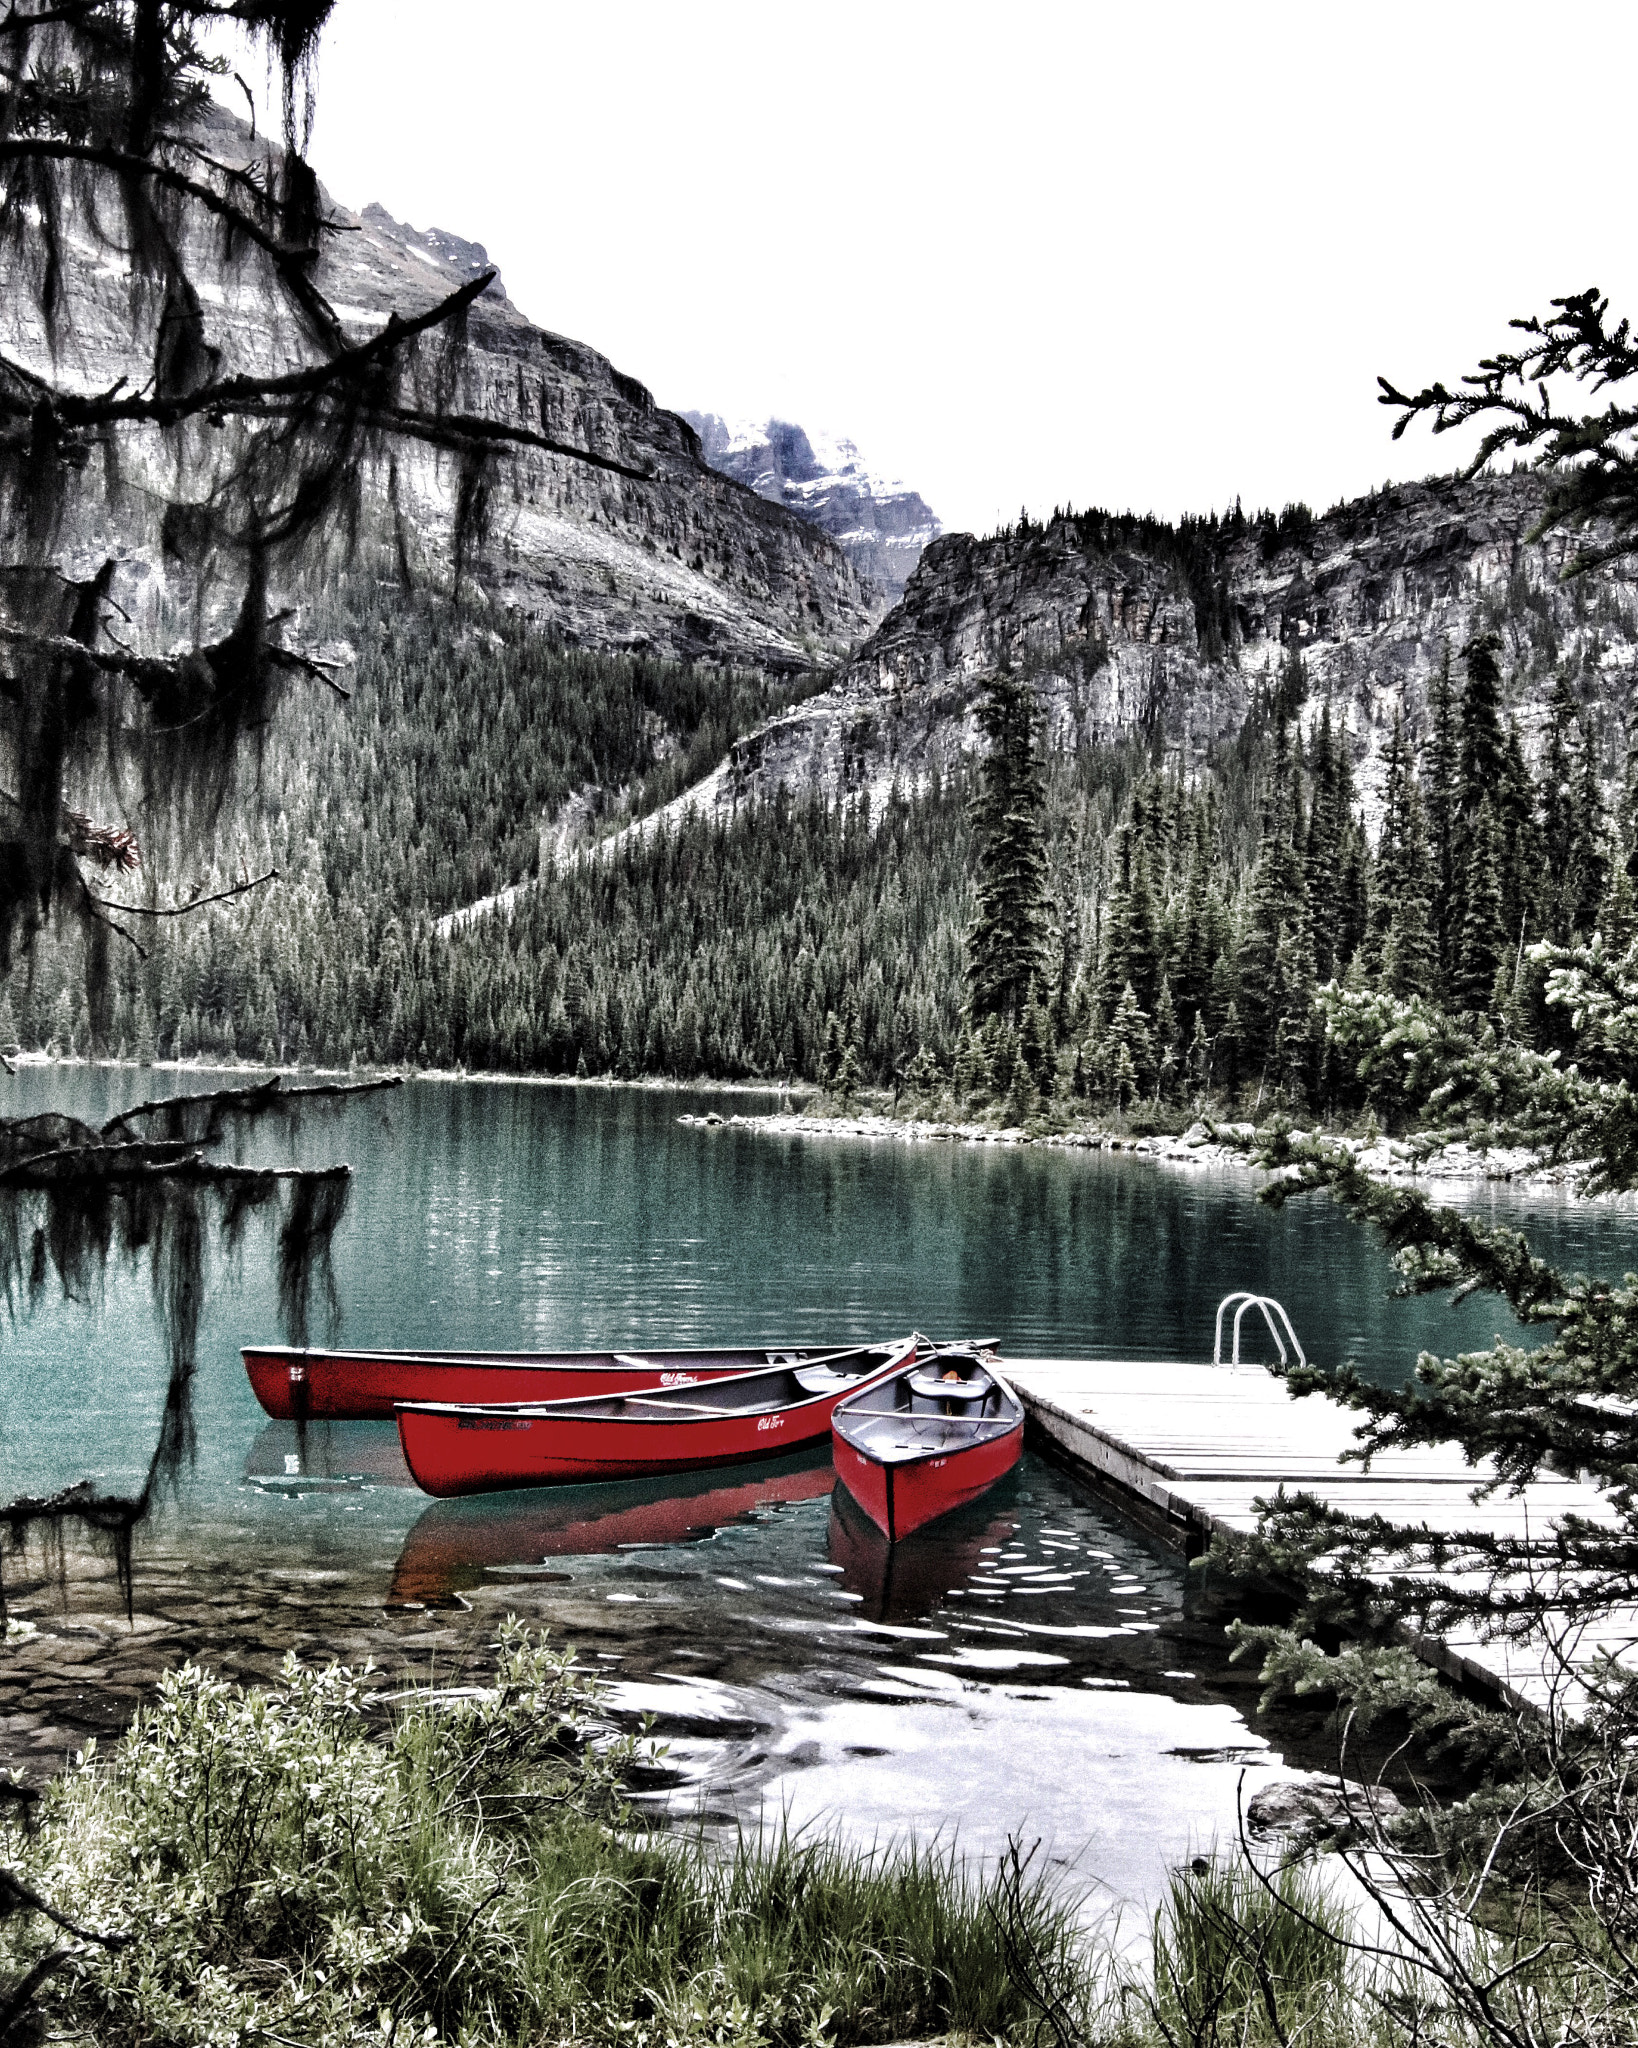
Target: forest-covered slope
point(1197, 896)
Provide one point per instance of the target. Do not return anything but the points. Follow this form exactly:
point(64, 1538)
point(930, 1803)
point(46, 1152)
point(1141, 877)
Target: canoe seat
point(897, 1438)
point(819, 1379)
point(971, 1387)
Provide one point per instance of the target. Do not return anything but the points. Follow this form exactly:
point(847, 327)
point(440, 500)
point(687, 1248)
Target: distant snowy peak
point(882, 523)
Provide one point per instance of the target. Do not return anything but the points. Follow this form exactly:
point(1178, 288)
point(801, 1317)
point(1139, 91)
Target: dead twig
point(184, 909)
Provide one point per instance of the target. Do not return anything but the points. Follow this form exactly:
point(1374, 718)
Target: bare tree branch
point(185, 909)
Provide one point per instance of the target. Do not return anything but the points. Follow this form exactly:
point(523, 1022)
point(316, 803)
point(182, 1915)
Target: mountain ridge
point(1128, 627)
point(881, 523)
point(658, 554)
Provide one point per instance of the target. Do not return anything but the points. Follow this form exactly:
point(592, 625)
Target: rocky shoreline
point(1222, 1146)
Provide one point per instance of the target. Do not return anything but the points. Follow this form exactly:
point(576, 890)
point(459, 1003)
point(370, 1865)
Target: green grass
point(263, 1864)
point(301, 1866)
point(1241, 1959)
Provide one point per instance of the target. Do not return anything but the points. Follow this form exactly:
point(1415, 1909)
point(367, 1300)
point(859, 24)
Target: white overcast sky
point(1146, 256)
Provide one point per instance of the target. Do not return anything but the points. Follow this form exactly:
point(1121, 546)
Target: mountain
point(660, 555)
point(882, 524)
point(1129, 626)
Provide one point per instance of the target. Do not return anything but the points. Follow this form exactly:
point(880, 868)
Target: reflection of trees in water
point(144, 1187)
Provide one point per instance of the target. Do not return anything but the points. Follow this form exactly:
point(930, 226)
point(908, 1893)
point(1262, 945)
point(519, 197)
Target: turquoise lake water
point(1037, 1664)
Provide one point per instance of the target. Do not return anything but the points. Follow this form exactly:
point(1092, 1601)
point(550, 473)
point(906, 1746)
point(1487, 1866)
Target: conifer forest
point(394, 692)
point(1161, 944)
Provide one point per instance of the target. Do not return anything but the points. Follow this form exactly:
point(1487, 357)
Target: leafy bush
point(267, 1864)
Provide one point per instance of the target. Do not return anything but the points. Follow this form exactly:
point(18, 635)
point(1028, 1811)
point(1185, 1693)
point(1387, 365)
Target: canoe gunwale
point(314, 1383)
point(581, 1439)
point(975, 1442)
point(598, 1407)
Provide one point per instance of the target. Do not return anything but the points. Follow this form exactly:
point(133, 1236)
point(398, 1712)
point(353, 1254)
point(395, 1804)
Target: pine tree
point(1038, 1044)
point(1483, 936)
point(1588, 872)
point(1322, 862)
point(1410, 961)
point(1387, 874)
point(1618, 913)
point(1278, 908)
point(1483, 748)
point(1558, 811)
point(1006, 942)
point(1440, 785)
point(1198, 1062)
point(1132, 949)
point(1522, 856)
point(1130, 1053)
point(1192, 979)
point(1168, 1050)
point(963, 1075)
point(1295, 1036)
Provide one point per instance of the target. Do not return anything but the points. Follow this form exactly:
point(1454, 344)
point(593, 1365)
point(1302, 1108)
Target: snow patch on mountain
point(879, 520)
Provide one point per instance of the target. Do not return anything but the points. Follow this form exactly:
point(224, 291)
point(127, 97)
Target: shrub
point(270, 1865)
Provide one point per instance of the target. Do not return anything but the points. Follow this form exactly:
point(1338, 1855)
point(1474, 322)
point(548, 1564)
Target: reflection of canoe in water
point(291, 1457)
point(903, 1581)
point(924, 1440)
point(295, 1385)
point(456, 1541)
point(459, 1449)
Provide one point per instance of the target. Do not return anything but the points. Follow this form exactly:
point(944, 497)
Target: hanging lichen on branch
point(211, 457)
point(169, 476)
point(145, 1187)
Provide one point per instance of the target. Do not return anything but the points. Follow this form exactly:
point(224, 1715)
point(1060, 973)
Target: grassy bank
point(298, 1864)
point(308, 1865)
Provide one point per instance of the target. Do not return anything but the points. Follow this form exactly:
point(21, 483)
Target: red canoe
point(916, 1443)
point(453, 1448)
point(363, 1386)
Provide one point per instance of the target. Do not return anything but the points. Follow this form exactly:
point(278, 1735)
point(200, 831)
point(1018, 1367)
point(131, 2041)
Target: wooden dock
point(1190, 1449)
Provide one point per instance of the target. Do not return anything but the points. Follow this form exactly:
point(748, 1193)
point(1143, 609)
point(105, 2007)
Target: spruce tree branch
point(249, 393)
point(152, 1151)
point(149, 671)
point(94, 1163)
point(276, 397)
point(94, 910)
point(453, 429)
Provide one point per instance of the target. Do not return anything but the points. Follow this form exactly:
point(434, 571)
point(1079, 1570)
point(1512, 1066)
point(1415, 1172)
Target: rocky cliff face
point(1126, 627)
point(883, 525)
point(677, 559)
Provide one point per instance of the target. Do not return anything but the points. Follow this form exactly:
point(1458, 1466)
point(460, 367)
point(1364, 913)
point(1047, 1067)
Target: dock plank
point(1198, 1446)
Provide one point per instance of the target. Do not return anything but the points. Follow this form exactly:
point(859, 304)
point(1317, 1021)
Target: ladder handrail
point(1270, 1308)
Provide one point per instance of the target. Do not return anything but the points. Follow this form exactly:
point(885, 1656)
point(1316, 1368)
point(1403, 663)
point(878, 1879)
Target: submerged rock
point(1318, 1806)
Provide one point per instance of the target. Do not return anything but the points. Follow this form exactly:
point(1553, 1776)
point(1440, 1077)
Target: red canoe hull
point(364, 1386)
point(924, 1441)
point(904, 1581)
point(456, 1450)
point(902, 1498)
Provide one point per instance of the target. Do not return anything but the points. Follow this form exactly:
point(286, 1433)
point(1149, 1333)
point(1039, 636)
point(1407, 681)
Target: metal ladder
point(1270, 1309)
